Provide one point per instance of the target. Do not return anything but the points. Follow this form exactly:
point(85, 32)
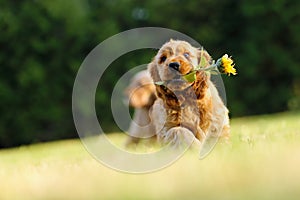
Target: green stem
point(214, 66)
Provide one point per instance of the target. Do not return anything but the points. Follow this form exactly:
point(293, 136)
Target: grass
point(261, 162)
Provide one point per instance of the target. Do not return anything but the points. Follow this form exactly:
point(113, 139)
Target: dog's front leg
point(179, 137)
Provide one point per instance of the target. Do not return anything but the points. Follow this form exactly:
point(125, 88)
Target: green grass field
point(261, 162)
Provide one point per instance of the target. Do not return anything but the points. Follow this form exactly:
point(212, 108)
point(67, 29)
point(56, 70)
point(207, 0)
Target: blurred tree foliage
point(43, 43)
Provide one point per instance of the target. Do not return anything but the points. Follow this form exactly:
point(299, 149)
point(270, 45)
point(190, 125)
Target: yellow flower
point(228, 65)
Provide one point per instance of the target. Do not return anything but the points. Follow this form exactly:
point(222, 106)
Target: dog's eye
point(162, 59)
point(186, 55)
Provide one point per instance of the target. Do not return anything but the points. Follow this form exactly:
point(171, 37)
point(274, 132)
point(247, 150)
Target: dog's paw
point(180, 137)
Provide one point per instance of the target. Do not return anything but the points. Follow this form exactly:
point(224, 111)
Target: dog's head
point(175, 59)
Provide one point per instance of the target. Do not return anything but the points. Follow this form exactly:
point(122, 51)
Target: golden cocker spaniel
point(172, 109)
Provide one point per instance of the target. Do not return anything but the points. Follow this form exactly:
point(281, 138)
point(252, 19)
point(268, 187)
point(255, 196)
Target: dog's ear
point(201, 83)
point(204, 58)
point(152, 68)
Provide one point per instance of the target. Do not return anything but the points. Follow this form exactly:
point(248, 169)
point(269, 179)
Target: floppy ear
point(152, 68)
point(201, 83)
point(204, 58)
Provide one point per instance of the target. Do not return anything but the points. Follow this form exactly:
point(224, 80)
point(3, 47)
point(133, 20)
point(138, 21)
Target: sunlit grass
point(261, 162)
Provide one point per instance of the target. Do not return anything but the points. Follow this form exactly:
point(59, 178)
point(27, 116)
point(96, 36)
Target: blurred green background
point(43, 43)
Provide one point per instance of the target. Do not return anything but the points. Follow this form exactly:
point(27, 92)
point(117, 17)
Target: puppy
point(179, 111)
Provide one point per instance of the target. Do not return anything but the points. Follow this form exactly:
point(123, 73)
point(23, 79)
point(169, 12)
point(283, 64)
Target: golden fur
point(179, 110)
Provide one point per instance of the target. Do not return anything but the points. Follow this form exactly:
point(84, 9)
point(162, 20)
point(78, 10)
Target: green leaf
point(191, 77)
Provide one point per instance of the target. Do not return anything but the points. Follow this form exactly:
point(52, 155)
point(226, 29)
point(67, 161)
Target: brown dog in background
point(171, 109)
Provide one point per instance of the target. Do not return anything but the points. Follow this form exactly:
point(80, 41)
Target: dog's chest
point(190, 118)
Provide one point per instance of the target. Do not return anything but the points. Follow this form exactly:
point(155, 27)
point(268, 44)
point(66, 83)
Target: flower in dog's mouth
point(223, 65)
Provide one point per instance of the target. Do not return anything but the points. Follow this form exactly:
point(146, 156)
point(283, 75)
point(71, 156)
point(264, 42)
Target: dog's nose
point(174, 65)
